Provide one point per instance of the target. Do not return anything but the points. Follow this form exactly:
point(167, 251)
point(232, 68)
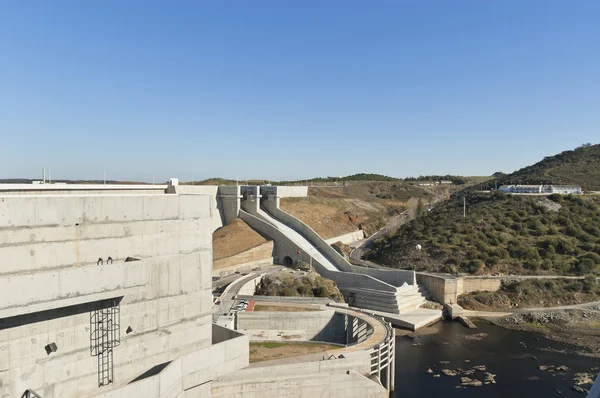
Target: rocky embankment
point(580, 327)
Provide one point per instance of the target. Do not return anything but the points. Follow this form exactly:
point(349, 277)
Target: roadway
point(357, 253)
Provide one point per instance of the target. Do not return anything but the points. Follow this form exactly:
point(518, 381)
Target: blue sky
point(293, 89)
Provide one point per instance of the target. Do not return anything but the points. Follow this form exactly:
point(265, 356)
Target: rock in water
point(449, 372)
point(578, 389)
point(429, 370)
point(465, 381)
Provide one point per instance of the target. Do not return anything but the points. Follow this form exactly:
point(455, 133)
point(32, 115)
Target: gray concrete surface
point(51, 279)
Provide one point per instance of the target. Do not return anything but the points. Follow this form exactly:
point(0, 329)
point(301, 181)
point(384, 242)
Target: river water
point(506, 353)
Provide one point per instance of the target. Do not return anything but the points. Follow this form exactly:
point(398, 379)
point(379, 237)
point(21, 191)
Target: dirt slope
point(335, 216)
point(235, 238)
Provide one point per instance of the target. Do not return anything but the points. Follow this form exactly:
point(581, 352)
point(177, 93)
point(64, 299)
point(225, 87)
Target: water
point(505, 353)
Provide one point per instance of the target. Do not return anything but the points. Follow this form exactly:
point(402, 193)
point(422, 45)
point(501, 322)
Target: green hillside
point(580, 167)
point(501, 234)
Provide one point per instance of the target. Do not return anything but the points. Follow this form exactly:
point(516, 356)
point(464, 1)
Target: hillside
point(334, 211)
point(235, 238)
point(501, 234)
point(580, 167)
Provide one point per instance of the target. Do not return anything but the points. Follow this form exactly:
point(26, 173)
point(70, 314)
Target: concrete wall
point(50, 248)
point(291, 192)
point(249, 287)
point(189, 375)
point(230, 197)
point(348, 238)
point(445, 289)
point(215, 205)
point(323, 326)
point(262, 254)
point(338, 378)
point(479, 283)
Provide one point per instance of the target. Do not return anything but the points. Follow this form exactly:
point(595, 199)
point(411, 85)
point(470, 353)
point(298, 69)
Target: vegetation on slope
point(579, 167)
point(501, 234)
point(534, 293)
point(309, 286)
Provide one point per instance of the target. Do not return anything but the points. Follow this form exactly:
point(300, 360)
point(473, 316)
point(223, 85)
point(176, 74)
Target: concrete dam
point(105, 291)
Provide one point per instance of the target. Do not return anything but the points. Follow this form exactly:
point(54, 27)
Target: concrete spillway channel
point(393, 294)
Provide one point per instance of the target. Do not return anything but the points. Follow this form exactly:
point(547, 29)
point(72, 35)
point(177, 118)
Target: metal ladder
point(104, 336)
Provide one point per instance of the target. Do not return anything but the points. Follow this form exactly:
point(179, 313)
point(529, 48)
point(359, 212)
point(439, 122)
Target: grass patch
point(268, 350)
point(268, 344)
point(537, 326)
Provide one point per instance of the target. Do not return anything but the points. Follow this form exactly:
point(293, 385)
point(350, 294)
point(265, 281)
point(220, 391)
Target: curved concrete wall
point(348, 238)
point(326, 326)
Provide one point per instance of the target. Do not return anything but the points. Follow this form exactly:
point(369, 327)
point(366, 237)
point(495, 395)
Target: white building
point(566, 189)
point(521, 188)
point(541, 189)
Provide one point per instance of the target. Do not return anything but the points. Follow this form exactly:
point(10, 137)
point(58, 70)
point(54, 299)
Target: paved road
point(357, 253)
point(582, 306)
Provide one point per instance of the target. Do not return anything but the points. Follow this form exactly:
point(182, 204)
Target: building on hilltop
point(566, 189)
point(541, 189)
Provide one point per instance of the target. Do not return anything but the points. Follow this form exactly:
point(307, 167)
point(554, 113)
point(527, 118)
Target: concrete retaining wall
point(445, 289)
point(244, 267)
point(348, 238)
point(291, 192)
point(323, 326)
point(474, 284)
point(262, 254)
point(249, 287)
point(282, 299)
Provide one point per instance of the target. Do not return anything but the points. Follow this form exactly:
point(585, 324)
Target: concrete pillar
point(230, 197)
point(251, 197)
point(270, 199)
point(387, 368)
point(393, 361)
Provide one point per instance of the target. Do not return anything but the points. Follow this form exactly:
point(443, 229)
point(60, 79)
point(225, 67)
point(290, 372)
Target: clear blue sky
point(294, 89)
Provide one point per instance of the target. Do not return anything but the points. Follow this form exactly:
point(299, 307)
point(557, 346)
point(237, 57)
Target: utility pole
point(49, 176)
point(104, 174)
point(464, 207)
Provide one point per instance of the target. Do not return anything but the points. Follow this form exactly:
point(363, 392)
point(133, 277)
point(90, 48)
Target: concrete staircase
point(405, 299)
